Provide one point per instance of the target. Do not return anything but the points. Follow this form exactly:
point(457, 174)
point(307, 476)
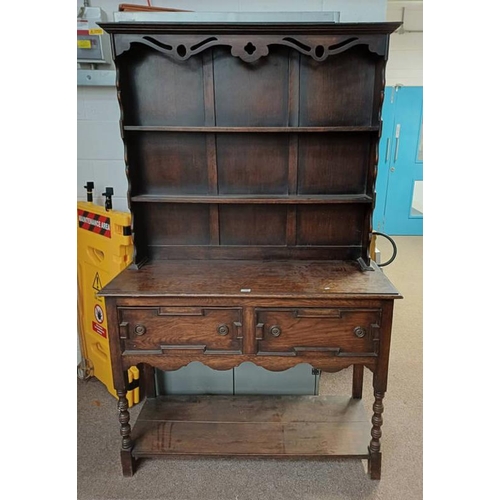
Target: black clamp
point(89, 187)
point(108, 205)
point(133, 385)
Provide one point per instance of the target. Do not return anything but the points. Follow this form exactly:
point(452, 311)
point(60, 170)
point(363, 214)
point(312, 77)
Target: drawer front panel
point(317, 331)
point(164, 330)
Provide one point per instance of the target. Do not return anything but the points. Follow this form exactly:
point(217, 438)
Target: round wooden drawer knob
point(140, 329)
point(275, 331)
point(223, 330)
point(359, 332)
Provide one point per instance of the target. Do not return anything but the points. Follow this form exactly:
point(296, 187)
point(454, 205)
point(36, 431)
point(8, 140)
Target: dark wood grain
point(179, 331)
point(251, 153)
point(357, 381)
point(171, 163)
point(349, 78)
point(278, 409)
point(255, 252)
point(147, 382)
point(333, 164)
point(237, 28)
point(256, 199)
point(222, 361)
point(222, 426)
point(252, 224)
point(166, 224)
point(259, 130)
point(330, 225)
point(320, 279)
point(311, 331)
point(250, 164)
point(256, 102)
point(178, 103)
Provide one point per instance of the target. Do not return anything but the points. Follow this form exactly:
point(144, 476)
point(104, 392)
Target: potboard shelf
point(253, 426)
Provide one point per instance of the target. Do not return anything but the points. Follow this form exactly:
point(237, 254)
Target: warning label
point(96, 284)
point(99, 329)
point(94, 223)
point(98, 313)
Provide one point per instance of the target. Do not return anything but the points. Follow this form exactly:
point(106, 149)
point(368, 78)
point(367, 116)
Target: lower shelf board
point(252, 426)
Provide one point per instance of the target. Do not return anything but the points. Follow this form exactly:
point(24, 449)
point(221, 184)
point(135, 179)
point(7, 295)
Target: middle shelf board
point(253, 199)
point(159, 128)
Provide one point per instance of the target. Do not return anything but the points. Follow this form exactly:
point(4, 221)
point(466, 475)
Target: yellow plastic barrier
point(104, 250)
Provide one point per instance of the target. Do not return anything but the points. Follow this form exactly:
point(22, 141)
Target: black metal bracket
point(108, 205)
point(89, 187)
point(364, 266)
point(133, 385)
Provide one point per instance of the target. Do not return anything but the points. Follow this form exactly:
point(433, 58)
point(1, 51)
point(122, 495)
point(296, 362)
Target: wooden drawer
point(317, 331)
point(164, 330)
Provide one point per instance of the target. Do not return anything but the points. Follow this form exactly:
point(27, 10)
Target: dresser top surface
point(243, 278)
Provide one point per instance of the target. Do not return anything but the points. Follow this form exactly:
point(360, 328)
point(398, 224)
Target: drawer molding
point(180, 349)
point(181, 330)
point(291, 332)
point(304, 351)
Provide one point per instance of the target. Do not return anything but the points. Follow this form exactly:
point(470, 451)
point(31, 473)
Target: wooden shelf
point(253, 426)
point(253, 199)
point(133, 128)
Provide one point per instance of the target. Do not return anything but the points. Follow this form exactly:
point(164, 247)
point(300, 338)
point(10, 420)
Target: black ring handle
point(394, 248)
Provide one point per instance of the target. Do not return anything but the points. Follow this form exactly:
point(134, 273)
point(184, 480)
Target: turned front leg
point(125, 429)
point(375, 460)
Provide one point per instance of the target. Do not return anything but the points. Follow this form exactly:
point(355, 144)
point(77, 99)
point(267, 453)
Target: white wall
point(405, 65)
point(351, 10)
point(100, 148)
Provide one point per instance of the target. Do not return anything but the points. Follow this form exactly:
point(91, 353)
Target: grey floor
point(99, 472)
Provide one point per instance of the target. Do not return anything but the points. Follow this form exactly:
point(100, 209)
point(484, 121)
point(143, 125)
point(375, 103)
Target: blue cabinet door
point(399, 203)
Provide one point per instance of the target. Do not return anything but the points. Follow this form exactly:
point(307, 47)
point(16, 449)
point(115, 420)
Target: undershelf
point(253, 426)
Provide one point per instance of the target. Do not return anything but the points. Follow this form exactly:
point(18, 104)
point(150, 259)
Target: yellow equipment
point(104, 250)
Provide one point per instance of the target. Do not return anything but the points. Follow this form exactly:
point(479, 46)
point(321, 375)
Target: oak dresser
point(251, 153)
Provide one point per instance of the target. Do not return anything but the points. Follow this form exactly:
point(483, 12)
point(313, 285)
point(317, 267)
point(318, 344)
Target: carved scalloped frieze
point(250, 48)
point(226, 362)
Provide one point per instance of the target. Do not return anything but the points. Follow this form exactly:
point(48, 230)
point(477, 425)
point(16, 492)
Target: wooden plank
point(243, 252)
point(291, 226)
point(276, 409)
point(226, 278)
point(214, 225)
point(208, 89)
point(293, 143)
point(212, 172)
point(357, 381)
point(251, 439)
point(252, 27)
point(255, 199)
point(161, 128)
point(222, 426)
point(293, 88)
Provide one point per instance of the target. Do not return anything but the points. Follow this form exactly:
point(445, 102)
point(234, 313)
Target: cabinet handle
point(359, 332)
point(140, 329)
point(396, 151)
point(388, 150)
point(275, 331)
point(222, 329)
